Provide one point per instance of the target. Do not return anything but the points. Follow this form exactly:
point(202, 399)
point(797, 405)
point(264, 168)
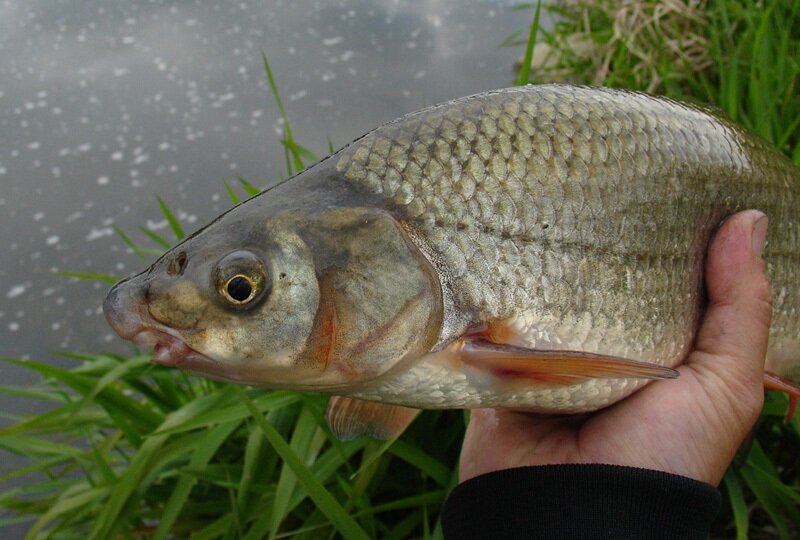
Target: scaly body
point(452, 257)
point(580, 217)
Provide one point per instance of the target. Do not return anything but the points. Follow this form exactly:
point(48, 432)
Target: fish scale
point(580, 216)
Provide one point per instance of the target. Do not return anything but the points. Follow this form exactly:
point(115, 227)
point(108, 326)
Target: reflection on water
point(104, 105)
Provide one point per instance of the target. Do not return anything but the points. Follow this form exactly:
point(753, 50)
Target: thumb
point(732, 341)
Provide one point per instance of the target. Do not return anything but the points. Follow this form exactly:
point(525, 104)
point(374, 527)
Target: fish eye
point(240, 289)
point(241, 279)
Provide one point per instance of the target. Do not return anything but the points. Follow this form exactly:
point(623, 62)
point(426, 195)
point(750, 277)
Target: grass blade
point(232, 194)
point(174, 224)
point(249, 188)
point(289, 142)
point(741, 516)
point(156, 238)
point(88, 276)
point(325, 502)
point(202, 454)
point(525, 69)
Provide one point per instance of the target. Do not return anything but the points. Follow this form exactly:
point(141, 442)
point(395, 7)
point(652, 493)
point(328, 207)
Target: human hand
point(691, 426)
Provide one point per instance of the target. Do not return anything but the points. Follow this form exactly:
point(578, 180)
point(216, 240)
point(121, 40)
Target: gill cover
point(380, 298)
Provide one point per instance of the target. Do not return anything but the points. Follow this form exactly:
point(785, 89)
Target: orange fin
point(775, 382)
point(349, 418)
point(556, 367)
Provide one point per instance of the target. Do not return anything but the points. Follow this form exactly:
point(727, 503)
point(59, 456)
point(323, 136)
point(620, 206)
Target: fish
point(537, 248)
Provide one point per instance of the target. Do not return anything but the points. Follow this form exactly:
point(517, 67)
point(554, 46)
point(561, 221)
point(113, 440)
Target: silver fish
point(538, 247)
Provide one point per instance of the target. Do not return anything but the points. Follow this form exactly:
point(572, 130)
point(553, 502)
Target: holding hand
point(691, 426)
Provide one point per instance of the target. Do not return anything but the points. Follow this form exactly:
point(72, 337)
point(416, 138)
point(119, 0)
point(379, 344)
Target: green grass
point(130, 450)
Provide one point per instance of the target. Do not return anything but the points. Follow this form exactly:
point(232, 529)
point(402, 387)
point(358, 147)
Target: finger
point(732, 340)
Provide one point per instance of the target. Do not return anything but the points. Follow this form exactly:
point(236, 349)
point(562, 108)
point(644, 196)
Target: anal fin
point(779, 384)
point(349, 418)
point(553, 366)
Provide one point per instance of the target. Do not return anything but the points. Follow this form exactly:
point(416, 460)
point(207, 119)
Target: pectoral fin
point(774, 382)
point(349, 418)
point(555, 367)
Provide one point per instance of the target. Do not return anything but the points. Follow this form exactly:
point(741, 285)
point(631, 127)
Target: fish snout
point(122, 308)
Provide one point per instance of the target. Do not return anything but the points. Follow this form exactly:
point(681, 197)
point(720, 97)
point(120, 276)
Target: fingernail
point(760, 234)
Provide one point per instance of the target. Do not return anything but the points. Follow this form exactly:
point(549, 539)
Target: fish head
point(315, 300)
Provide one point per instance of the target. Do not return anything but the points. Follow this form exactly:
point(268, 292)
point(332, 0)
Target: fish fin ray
point(349, 418)
point(556, 367)
point(779, 384)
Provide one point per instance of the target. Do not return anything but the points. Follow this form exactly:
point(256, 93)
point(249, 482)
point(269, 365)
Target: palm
point(691, 426)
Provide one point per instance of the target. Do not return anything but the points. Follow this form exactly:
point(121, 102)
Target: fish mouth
point(126, 311)
point(168, 349)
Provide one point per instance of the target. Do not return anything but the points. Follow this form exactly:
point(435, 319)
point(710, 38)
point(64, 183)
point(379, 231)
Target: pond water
point(106, 105)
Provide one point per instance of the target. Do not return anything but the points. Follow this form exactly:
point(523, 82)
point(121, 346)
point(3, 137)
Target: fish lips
point(125, 309)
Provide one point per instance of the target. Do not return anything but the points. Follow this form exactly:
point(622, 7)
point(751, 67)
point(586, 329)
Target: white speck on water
point(163, 146)
point(16, 290)
point(35, 145)
point(328, 42)
point(48, 291)
point(328, 76)
point(346, 55)
point(38, 216)
point(298, 95)
point(120, 71)
point(102, 181)
point(85, 147)
point(74, 217)
point(13, 326)
point(156, 225)
point(96, 233)
point(141, 159)
point(191, 22)
point(3, 170)
point(52, 240)
point(128, 40)
point(116, 156)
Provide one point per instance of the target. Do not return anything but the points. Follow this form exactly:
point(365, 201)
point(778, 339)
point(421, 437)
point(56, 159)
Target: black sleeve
point(580, 501)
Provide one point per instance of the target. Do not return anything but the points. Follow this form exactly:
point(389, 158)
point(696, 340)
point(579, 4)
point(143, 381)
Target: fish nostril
point(177, 265)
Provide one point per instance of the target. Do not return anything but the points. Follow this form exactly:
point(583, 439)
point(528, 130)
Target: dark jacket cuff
point(580, 501)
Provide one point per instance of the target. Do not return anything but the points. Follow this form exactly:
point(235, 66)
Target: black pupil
point(239, 289)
